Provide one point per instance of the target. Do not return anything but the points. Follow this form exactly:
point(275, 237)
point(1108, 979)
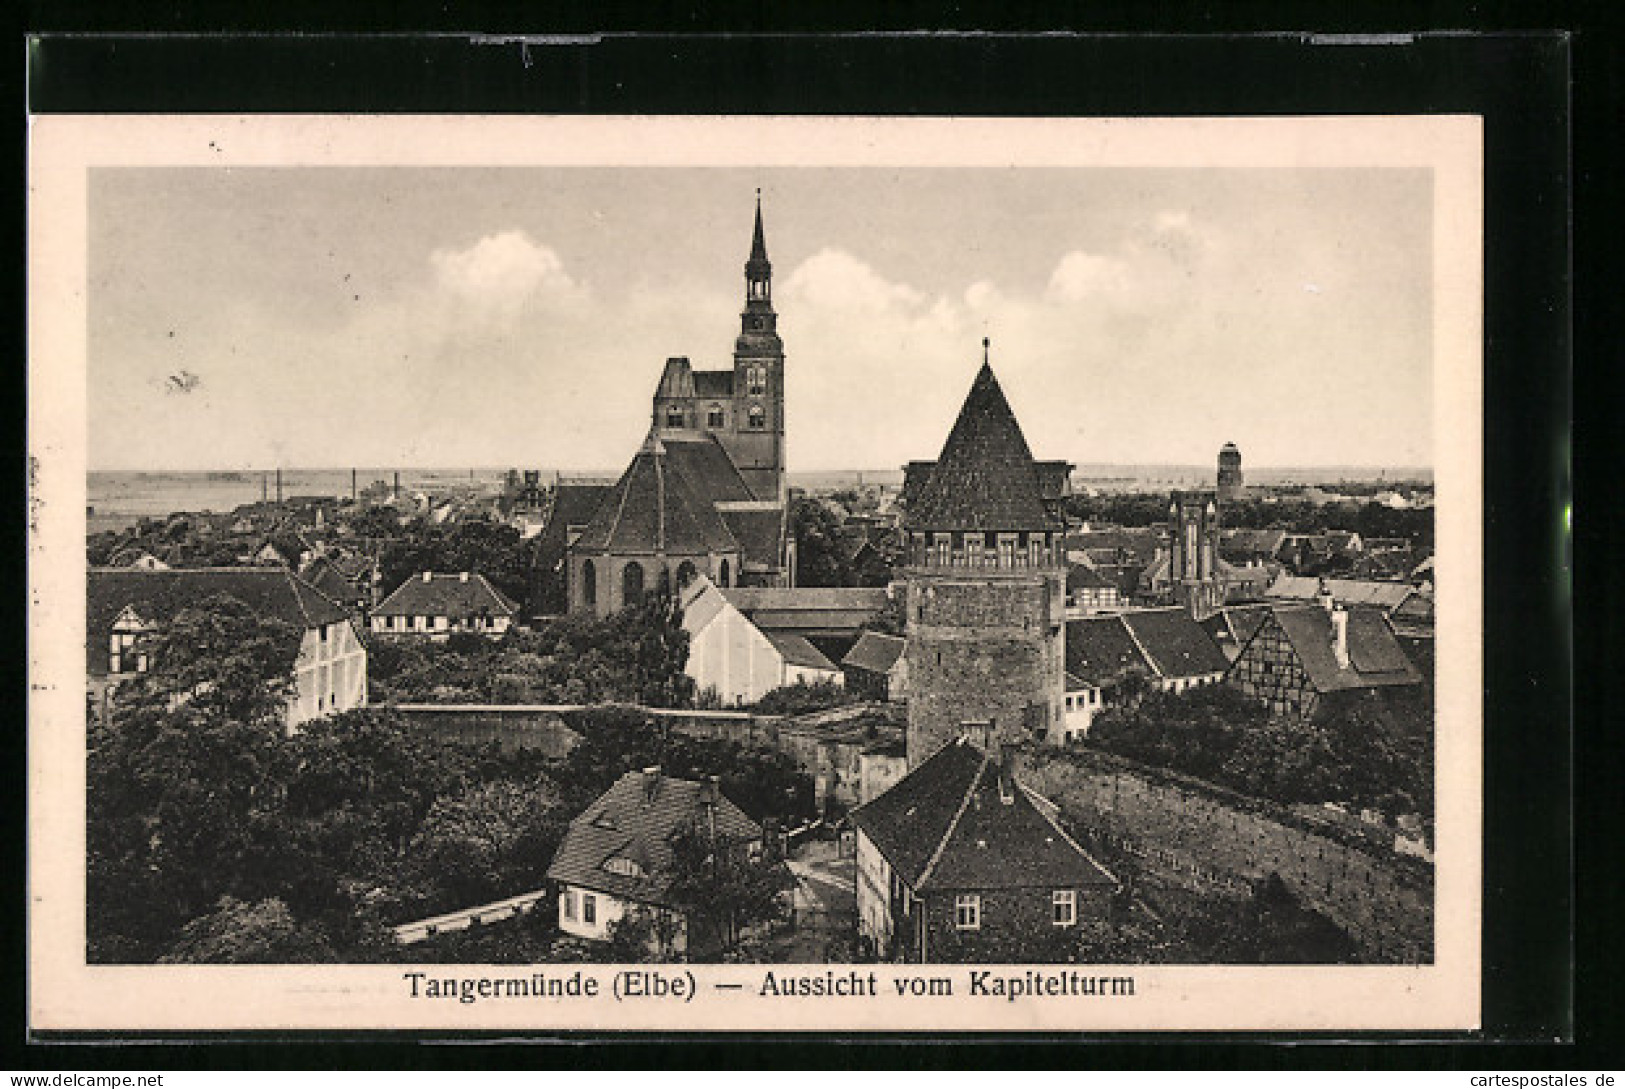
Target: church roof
point(713, 383)
point(707, 467)
point(760, 534)
point(984, 478)
point(655, 507)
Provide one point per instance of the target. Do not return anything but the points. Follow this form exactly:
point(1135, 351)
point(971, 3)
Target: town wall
point(1200, 837)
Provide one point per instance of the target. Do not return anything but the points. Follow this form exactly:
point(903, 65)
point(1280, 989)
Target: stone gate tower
point(1231, 483)
point(986, 583)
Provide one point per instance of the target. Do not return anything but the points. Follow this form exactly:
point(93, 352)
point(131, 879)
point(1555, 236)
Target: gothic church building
point(705, 493)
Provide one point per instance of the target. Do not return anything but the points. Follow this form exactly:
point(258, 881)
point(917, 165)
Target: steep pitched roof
point(985, 478)
point(874, 651)
point(450, 595)
point(632, 821)
point(1177, 645)
point(707, 467)
point(156, 596)
point(945, 826)
point(806, 609)
point(796, 651)
point(1375, 656)
point(760, 534)
point(655, 508)
point(1099, 650)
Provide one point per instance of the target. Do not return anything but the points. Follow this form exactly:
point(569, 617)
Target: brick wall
point(1206, 839)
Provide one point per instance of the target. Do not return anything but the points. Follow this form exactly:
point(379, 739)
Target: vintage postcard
point(716, 573)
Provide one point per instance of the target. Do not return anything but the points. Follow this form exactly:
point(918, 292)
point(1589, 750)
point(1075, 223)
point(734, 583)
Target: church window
point(674, 416)
point(685, 573)
point(632, 584)
point(722, 573)
point(589, 583)
point(758, 418)
point(714, 417)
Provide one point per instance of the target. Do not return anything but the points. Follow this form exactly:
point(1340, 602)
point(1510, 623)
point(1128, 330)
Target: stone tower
point(756, 439)
point(986, 593)
point(1231, 485)
point(1193, 556)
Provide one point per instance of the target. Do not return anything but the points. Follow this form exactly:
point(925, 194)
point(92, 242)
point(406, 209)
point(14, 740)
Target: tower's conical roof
point(985, 478)
point(758, 244)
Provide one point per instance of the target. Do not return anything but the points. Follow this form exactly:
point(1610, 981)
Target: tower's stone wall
point(983, 646)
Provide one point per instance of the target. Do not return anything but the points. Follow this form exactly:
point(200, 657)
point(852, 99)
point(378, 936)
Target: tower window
point(674, 416)
point(758, 418)
point(714, 417)
point(756, 380)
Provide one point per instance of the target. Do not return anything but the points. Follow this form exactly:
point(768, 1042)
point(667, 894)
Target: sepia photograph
point(787, 573)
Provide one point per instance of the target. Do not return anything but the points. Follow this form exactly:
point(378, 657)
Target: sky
point(328, 317)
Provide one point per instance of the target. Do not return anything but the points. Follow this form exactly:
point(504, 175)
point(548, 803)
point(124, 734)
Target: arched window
point(632, 584)
point(722, 573)
point(674, 416)
point(714, 417)
point(589, 583)
point(758, 418)
point(685, 573)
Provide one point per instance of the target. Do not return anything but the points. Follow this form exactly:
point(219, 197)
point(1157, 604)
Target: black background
point(1520, 75)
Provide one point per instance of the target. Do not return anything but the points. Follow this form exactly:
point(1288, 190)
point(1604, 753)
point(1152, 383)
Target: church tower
point(1232, 485)
point(755, 439)
point(1193, 554)
point(986, 585)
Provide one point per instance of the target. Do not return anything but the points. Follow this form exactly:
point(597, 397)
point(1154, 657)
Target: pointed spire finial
point(986, 341)
point(758, 245)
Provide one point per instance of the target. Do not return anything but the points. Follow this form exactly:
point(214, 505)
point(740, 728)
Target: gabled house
point(959, 861)
point(125, 607)
point(739, 659)
point(1165, 648)
point(617, 855)
point(350, 579)
point(876, 668)
point(1302, 655)
point(436, 605)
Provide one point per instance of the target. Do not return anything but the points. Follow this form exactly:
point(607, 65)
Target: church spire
point(758, 269)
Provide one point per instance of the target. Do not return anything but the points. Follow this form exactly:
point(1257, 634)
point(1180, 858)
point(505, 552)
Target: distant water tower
point(1230, 480)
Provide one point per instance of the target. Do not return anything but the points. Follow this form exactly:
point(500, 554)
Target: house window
point(674, 417)
point(570, 904)
point(968, 911)
point(1064, 907)
point(758, 418)
point(589, 909)
point(714, 417)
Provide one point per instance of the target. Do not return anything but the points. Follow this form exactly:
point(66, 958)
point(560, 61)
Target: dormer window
point(624, 866)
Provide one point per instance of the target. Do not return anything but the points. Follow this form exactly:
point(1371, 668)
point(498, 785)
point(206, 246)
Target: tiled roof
point(1083, 577)
point(1235, 623)
point(1177, 645)
point(760, 534)
point(326, 578)
point(713, 384)
point(985, 478)
point(1384, 595)
point(1054, 478)
point(875, 651)
point(655, 508)
point(707, 467)
point(446, 595)
point(626, 821)
point(1259, 542)
point(156, 596)
point(1140, 543)
point(945, 826)
point(1099, 650)
point(796, 651)
point(1375, 656)
point(807, 609)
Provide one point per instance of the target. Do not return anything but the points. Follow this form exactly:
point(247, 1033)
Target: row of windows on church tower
point(715, 417)
point(984, 549)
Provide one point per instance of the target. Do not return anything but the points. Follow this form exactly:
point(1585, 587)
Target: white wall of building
point(874, 894)
point(730, 654)
point(330, 674)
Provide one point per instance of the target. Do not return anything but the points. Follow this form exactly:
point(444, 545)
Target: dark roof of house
point(875, 651)
point(713, 383)
point(797, 651)
point(1375, 656)
point(655, 507)
point(946, 825)
point(630, 820)
point(459, 596)
point(1385, 595)
point(1177, 645)
point(1099, 649)
point(985, 478)
point(1140, 543)
point(156, 596)
point(326, 578)
point(1081, 576)
point(760, 534)
point(805, 608)
point(1235, 624)
point(1054, 478)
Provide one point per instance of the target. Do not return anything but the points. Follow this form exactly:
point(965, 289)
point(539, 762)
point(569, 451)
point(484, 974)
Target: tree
point(237, 933)
point(821, 554)
point(723, 888)
point(487, 842)
point(803, 698)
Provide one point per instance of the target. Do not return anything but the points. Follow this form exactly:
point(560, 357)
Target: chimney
point(1340, 637)
point(462, 576)
point(1324, 596)
point(1007, 786)
point(651, 783)
point(710, 792)
point(428, 576)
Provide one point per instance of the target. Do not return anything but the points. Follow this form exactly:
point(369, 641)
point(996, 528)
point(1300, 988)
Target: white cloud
point(833, 280)
point(1081, 276)
point(503, 272)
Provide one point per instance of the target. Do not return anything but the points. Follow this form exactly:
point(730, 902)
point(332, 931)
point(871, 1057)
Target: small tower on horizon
point(1231, 484)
